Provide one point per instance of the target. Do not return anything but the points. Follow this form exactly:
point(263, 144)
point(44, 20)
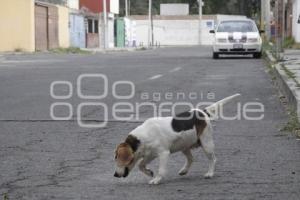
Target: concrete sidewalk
point(292, 63)
point(288, 77)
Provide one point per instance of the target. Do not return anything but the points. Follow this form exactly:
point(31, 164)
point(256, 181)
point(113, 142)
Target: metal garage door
point(53, 27)
point(46, 27)
point(41, 28)
point(120, 31)
point(77, 31)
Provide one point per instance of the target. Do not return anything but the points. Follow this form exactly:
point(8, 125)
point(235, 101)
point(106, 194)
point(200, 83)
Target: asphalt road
point(41, 158)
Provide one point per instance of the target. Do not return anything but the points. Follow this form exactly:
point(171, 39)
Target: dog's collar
point(133, 142)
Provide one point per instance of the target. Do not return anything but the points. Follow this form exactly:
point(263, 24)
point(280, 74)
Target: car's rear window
point(237, 26)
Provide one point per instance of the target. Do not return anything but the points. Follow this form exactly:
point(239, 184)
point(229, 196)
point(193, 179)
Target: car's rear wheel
point(215, 55)
point(257, 55)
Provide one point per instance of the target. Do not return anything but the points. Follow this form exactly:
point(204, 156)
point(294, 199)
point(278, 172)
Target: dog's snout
point(116, 175)
point(126, 172)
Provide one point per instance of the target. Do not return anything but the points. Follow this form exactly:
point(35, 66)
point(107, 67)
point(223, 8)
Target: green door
point(120, 32)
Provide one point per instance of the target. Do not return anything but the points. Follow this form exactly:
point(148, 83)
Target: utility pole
point(129, 7)
point(200, 22)
point(126, 8)
point(283, 22)
point(150, 30)
point(277, 29)
point(262, 14)
point(105, 23)
point(279, 9)
point(267, 19)
point(100, 32)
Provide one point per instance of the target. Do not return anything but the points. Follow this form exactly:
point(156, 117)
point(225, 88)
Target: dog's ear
point(124, 154)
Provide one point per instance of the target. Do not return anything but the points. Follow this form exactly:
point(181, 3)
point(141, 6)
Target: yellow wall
point(17, 25)
point(63, 27)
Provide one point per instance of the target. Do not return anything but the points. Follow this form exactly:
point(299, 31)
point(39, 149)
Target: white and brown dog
point(159, 137)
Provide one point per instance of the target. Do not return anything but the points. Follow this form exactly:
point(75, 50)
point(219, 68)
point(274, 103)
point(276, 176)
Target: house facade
point(94, 19)
point(77, 26)
point(38, 26)
point(43, 25)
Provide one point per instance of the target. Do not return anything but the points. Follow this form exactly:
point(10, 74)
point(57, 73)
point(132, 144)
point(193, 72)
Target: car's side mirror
point(261, 31)
point(212, 31)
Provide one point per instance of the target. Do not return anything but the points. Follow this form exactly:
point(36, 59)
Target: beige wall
point(63, 27)
point(17, 25)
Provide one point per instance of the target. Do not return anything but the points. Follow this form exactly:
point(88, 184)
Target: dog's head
point(126, 156)
point(125, 160)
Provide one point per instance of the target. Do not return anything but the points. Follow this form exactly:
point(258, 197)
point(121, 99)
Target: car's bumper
point(228, 48)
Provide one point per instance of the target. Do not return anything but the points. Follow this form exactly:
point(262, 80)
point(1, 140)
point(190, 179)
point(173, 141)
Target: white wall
point(229, 17)
point(174, 9)
point(296, 25)
point(74, 4)
point(110, 25)
point(114, 6)
point(174, 32)
point(130, 33)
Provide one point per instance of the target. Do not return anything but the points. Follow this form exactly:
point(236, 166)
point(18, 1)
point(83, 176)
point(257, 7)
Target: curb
point(288, 88)
point(2, 58)
point(97, 50)
point(286, 85)
point(270, 57)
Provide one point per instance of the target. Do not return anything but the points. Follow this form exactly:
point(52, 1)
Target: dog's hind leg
point(189, 160)
point(208, 147)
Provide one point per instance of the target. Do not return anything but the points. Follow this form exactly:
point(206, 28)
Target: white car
point(237, 37)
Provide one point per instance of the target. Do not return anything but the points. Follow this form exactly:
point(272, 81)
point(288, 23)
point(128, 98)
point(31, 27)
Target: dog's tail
point(212, 109)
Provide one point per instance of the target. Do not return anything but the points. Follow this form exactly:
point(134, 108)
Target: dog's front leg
point(144, 169)
point(162, 170)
